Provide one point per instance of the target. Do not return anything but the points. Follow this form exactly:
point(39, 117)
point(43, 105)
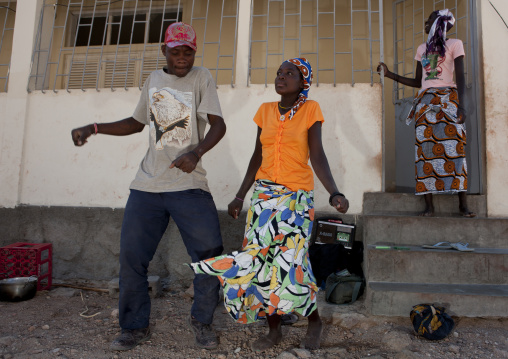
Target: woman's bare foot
point(465, 212)
point(429, 206)
point(267, 341)
point(313, 337)
point(429, 212)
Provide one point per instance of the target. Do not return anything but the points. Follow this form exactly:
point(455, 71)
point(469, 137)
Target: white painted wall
point(39, 165)
point(56, 173)
point(495, 73)
point(13, 104)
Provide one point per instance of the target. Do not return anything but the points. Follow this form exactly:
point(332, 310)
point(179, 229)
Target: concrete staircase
point(467, 283)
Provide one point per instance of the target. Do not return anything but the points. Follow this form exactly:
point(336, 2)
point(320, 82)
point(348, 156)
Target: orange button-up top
point(285, 145)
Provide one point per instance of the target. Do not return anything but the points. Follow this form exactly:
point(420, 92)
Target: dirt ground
point(54, 324)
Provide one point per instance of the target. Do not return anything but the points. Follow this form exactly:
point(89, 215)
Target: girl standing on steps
point(271, 275)
point(439, 114)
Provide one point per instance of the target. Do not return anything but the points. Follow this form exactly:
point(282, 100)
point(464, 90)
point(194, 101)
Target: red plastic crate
point(27, 259)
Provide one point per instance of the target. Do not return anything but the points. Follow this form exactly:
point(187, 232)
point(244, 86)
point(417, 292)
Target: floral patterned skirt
point(272, 273)
point(440, 155)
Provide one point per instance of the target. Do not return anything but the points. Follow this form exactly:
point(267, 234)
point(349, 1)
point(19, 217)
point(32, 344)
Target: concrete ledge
point(418, 265)
point(410, 204)
point(412, 248)
point(86, 241)
point(413, 230)
point(463, 289)
point(397, 299)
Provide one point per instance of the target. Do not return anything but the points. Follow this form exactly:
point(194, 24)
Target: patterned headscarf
point(437, 34)
point(304, 66)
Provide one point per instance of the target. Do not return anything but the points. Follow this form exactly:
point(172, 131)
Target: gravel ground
point(54, 324)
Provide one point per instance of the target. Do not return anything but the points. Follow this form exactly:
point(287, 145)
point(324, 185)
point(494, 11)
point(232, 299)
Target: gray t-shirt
point(175, 109)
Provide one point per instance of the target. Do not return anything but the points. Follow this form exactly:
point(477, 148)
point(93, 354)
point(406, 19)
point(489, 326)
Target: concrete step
point(413, 264)
point(465, 300)
point(416, 231)
point(467, 283)
point(410, 204)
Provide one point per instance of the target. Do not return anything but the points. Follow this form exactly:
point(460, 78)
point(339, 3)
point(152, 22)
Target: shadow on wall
point(86, 241)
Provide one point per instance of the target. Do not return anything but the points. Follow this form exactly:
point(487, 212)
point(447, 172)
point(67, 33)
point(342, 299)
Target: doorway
point(408, 32)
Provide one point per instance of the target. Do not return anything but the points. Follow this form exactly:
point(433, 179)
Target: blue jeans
point(145, 221)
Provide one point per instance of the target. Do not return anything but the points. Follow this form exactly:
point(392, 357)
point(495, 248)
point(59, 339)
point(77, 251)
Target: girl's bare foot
point(429, 206)
point(465, 212)
point(429, 212)
point(313, 337)
point(267, 341)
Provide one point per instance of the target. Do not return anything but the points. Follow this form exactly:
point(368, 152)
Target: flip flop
point(440, 245)
point(288, 319)
point(463, 247)
point(468, 214)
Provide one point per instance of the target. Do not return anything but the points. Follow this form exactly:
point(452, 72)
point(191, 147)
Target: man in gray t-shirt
point(176, 103)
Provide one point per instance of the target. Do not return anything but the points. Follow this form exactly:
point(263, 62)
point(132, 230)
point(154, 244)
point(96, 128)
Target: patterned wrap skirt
point(440, 154)
point(271, 274)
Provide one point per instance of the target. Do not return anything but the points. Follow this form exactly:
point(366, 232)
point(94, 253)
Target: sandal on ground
point(288, 319)
point(440, 245)
point(463, 247)
point(468, 214)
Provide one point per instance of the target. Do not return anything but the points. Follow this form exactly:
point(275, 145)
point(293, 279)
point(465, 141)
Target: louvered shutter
point(83, 71)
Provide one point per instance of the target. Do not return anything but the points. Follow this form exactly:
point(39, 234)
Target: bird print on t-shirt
point(170, 119)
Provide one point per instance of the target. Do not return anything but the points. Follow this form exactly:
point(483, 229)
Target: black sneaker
point(130, 338)
point(205, 335)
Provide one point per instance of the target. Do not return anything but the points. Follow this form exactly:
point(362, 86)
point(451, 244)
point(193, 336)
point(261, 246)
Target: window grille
point(217, 22)
point(7, 17)
point(87, 44)
point(409, 18)
point(338, 37)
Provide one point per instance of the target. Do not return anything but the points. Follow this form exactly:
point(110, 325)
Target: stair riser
point(488, 233)
point(404, 202)
point(400, 303)
point(436, 267)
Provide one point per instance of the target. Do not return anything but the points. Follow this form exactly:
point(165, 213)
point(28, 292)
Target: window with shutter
point(93, 44)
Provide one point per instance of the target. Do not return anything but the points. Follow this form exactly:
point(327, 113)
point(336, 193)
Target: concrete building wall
point(495, 73)
point(40, 165)
point(55, 192)
point(19, 108)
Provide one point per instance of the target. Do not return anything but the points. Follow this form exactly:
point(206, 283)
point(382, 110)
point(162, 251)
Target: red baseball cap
point(178, 34)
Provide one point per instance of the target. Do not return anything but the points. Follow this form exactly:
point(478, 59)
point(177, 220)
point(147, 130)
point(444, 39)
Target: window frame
point(109, 14)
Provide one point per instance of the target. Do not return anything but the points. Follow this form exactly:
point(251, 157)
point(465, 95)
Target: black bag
point(342, 289)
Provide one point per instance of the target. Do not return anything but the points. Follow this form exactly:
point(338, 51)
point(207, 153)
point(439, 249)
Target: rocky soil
point(73, 323)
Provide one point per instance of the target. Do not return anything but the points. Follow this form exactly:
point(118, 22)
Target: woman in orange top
point(272, 275)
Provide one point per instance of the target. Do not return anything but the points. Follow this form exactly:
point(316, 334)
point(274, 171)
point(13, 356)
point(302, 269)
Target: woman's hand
point(461, 115)
point(383, 67)
point(406, 81)
point(340, 203)
point(235, 207)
